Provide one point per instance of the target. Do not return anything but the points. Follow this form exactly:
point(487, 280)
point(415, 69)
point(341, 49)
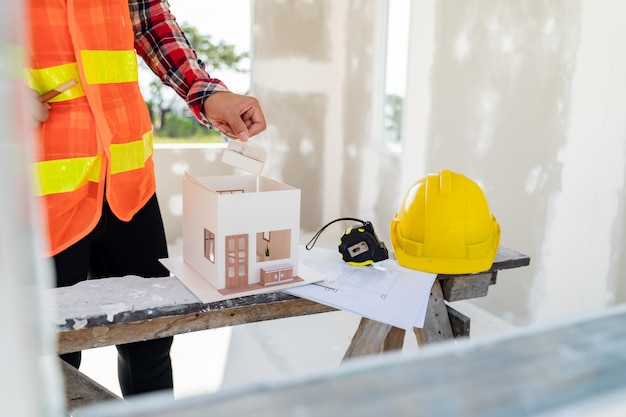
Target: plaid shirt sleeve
point(164, 47)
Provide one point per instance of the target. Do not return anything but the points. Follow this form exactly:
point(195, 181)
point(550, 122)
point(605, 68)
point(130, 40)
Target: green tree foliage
point(216, 56)
point(169, 114)
point(393, 118)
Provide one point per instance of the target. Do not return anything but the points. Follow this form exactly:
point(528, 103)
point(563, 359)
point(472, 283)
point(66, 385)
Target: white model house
point(241, 232)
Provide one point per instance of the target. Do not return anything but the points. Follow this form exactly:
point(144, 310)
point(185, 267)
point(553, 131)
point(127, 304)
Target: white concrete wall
point(526, 98)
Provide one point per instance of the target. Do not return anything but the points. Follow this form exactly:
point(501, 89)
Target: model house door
point(236, 261)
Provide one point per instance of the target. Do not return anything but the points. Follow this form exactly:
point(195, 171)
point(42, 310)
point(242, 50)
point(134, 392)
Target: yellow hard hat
point(444, 226)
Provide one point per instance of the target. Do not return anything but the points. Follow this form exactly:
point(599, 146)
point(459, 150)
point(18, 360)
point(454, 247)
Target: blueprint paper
point(385, 291)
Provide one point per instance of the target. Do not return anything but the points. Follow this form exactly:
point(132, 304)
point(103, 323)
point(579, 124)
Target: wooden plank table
point(112, 311)
point(174, 311)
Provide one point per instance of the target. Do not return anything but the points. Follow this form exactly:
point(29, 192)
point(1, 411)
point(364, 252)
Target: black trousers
point(117, 248)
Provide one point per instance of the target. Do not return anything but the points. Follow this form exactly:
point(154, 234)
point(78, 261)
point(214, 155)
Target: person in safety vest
point(93, 170)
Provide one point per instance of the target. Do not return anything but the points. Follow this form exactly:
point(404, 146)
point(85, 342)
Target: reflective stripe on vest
point(101, 67)
point(109, 67)
point(66, 175)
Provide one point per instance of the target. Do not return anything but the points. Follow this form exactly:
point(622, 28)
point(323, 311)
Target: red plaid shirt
point(164, 47)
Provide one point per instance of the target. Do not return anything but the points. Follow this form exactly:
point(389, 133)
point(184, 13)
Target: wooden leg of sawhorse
point(373, 337)
point(437, 322)
point(80, 390)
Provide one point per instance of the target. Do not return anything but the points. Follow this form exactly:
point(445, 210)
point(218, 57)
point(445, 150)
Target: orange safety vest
point(98, 132)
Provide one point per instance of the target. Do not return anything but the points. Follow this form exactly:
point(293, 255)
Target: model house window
point(230, 192)
point(395, 72)
point(209, 245)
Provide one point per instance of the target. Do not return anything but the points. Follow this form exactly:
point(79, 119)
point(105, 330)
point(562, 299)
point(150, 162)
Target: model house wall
point(240, 228)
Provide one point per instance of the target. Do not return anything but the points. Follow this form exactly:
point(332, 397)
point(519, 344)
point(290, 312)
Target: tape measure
point(359, 245)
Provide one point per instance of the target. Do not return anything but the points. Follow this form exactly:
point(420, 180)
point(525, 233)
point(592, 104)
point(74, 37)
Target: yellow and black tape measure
point(359, 245)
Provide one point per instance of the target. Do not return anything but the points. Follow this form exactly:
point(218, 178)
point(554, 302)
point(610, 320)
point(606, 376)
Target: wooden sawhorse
point(103, 313)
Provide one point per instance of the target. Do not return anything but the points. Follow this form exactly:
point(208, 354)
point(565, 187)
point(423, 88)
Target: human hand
point(38, 110)
point(235, 115)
